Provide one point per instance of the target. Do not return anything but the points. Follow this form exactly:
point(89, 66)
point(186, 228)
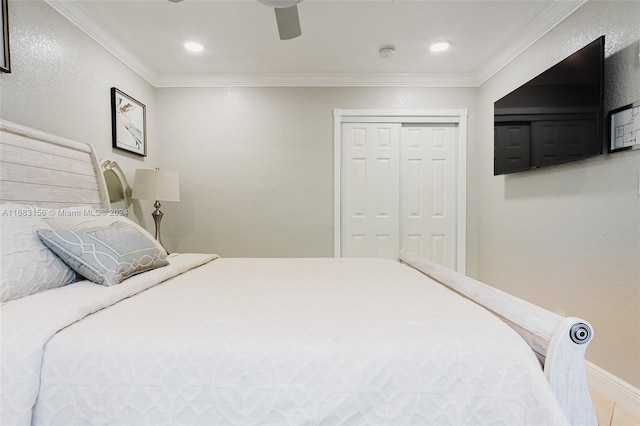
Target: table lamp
point(158, 185)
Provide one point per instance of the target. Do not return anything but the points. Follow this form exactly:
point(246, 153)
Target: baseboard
point(613, 388)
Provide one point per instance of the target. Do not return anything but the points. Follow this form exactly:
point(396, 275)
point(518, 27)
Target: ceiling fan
point(286, 17)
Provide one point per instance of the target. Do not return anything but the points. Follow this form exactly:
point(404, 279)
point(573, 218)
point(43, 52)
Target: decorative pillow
point(105, 255)
point(91, 218)
point(27, 266)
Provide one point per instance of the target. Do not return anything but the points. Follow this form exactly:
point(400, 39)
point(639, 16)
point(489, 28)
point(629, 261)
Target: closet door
point(370, 190)
point(428, 191)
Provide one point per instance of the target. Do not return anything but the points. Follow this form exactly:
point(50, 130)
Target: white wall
point(568, 237)
point(256, 164)
point(60, 83)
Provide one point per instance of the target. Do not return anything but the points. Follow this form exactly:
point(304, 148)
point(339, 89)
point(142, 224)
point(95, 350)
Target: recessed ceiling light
point(440, 46)
point(192, 46)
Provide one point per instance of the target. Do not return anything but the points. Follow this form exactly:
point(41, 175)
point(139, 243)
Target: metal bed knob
point(580, 333)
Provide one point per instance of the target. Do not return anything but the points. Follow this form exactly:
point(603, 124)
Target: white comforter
point(267, 341)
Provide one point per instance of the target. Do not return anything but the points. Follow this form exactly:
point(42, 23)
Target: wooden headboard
point(43, 170)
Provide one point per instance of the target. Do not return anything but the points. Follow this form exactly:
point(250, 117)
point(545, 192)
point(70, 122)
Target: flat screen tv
point(554, 118)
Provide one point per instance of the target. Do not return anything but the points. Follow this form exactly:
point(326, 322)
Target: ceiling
point(339, 44)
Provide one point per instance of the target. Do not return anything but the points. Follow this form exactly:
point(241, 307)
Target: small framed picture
point(624, 128)
point(5, 63)
point(128, 122)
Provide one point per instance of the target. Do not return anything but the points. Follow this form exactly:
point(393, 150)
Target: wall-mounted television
point(554, 118)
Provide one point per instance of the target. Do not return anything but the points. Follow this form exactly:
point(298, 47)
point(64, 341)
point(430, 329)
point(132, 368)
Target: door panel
point(428, 191)
point(370, 206)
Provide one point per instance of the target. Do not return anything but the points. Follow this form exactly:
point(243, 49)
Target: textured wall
point(60, 83)
point(257, 163)
point(568, 237)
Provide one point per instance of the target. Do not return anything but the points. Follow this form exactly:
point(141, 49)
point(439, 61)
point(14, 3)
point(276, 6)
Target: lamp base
point(157, 218)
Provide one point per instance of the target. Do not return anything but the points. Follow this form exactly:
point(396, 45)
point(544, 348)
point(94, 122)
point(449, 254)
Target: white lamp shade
point(160, 185)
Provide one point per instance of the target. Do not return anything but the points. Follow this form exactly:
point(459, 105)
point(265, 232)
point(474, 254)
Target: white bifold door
point(399, 190)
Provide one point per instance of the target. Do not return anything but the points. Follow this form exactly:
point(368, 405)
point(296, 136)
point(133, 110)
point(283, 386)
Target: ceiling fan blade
point(288, 22)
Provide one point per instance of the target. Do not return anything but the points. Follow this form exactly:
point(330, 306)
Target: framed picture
point(624, 128)
point(128, 122)
point(5, 63)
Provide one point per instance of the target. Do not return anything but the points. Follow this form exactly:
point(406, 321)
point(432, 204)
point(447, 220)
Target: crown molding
point(72, 11)
point(550, 18)
point(316, 80)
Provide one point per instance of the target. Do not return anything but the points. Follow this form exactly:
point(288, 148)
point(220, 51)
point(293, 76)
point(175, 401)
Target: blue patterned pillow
point(105, 255)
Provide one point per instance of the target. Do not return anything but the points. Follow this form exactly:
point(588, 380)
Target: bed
point(195, 339)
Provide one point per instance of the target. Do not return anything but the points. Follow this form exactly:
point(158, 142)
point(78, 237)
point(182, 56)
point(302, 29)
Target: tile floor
point(609, 413)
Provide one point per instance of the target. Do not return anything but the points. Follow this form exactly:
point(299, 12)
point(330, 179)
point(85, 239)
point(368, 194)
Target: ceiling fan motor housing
point(280, 4)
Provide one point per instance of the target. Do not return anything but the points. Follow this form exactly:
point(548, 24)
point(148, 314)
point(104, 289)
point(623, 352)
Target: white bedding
point(267, 341)
point(27, 324)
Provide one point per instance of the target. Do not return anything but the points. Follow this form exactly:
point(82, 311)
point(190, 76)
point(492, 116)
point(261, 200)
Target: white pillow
point(26, 265)
point(90, 218)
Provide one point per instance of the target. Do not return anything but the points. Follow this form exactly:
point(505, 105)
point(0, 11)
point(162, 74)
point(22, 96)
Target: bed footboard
point(560, 343)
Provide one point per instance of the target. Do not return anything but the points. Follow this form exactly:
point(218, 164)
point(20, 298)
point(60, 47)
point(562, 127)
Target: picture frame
point(624, 128)
point(5, 58)
point(129, 123)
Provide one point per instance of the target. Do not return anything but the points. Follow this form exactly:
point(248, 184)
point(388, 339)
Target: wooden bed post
point(565, 370)
point(560, 343)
